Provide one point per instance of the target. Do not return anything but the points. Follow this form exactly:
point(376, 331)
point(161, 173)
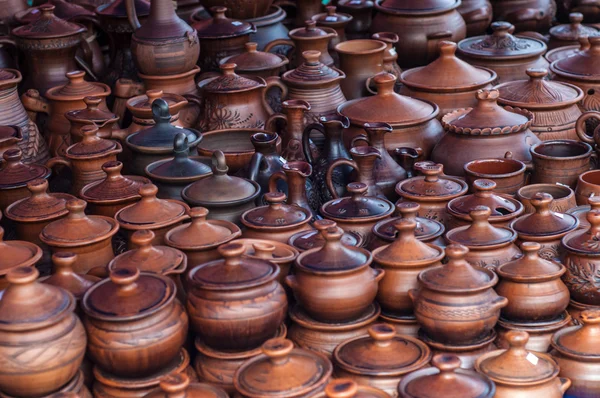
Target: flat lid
point(270, 250)
point(222, 27)
point(118, 9)
point(282, 370)
point(254, 60)
point(312, 71)
point(500, 206)
point(530, 265)
point(544, 221)
point(91, 144)
point(48, 26)
point(65, 277)
point(229, 81)
point(357, 206)
point(585, 241)
point(178, 385)
point(419, 5)
point(151, 210)
point(432, 183)
point(41, 205)
point(17, 253)
point(580, 341)
point(426, 228)
point(115, 186)
point(581, 64)
point(202, 233)
point(77, 87)
point(406, 248)
point(573, 30)
point(62, 9)
point(14, 173)
point(481, 232)
point(501, 44)
point(91, 112)
point(276, 213)
point(314, 239)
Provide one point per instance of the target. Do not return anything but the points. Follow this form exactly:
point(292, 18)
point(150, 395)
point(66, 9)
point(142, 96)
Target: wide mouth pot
point(415, 12)
point(591, 177)
point(561, 150)
point(557, 191)
point(495, 168)
point(360, 47)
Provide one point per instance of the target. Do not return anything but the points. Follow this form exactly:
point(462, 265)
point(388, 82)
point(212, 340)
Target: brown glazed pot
point(294, 120)
point(334, 283)
point(237, 309)
point(65, 277)
point(569, 34)
point(419, 28)
point(15, 175)
point(507, 173)
point(179, 383)
point(361, 60)
point(456, 303)
point(256, 63)
point(105, 120)
point(40, 328)
point(281, 254)
point(477, 15)
point(16, 253)
point(560, 162)
point(526, 15)
point(564, 197)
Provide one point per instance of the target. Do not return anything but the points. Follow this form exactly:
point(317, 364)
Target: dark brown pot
point(526, 15)
point(477, 15)
point(560, 162)
point(507, 173)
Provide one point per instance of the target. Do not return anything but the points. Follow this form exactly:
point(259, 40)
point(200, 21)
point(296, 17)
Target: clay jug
point(293, 117)
point(300, 191)
point(265, 161)
point(363, 163)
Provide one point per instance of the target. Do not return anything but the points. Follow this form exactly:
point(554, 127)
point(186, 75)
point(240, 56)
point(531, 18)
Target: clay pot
point(265, 160)
point(405, 326)
point(526, 15)
point(390, 56)
point(467, 354)
point(477, 15)
point(334, 283)
point(335, 20)
point(507, 55)
point(587, 186)
point(14, 177)
point(38, 324)
point(253, 62)
point(589, 10)
point(246, 286)
point(449, 82)
point(10, 137)
point(362, 17)
point(455, 303)
point(581, 211)
point(363, 166)
point(278, 253)
point(361, 60)
point(540, 333)
point(269, 27)
point(303, 241)
point(65, 277)
point(368, 361)
point(179, 383)
point(296, 175)
point(75, 388)
point(419, 28)
point(564, 197)
point(105, 120)
point(402, 261)
point(16, 253)
point(560, 162)
point(569, 34)
point(89, 237)
point(507, 173)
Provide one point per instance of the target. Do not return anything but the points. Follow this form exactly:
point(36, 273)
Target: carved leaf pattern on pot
point(582, 278)
point(219, 116)
point(473, 312)
point(549, 252)
point(591, 101)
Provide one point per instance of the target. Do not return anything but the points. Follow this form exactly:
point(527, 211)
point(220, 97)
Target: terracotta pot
point(560, 161)
point(467, 354)
point(363, 166)
point(361, 60)
point(14, 177)
point(564, 197)
point(563, 52)
point(179, 383)
point(587, 186)
point(10, 136)
point(253, 62)
point(301, 193)
point(477, 15)
point(407, 20)
point(65, 277)
point(38, 324)
point(526, 15)
point(362, 14)
point(569, 34)
point(390, 56)
point(313, 239)
point(581, 211)
point(455, 303)
point(540, 333)
point(105, 120)
point(17, 253)
point(335, 20)
point(507, 173)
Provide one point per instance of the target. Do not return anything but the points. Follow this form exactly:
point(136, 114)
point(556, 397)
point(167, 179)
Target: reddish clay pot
point(507, 173)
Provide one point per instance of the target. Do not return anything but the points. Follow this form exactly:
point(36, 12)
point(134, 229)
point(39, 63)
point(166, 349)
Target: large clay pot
point(477, 15)
point(526, 15)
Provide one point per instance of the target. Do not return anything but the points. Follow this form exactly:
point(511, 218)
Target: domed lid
point(14, 173)
point(447, 72)
point(581, 64)
point(419, 6)
point(567, 51)
point(178, 385)
point(312, 71)
point(457, 275)
point(446, 379)
point(581, 212)
point(16, 253)
point(332, 18)
point(530, 266)
point(64, 276)
point(333, 256)
point(118, 9)
point(115, 187)
point(282, 370)
point(543, 221)
point(585, 241)
point(538, 91)
point(573, 30)
point(234, 271)
point(348, 388)
point(357, 206)
point(91, 145)
point(432, 183)
point(27, 304)
point(92, 112)
point(311, 31)
point(181, 167)
point(382, 353)
point(277, 214)
point(501, 44)
point(220, 188)
point(580, 342)
point(276, 252)
point(426, 230)
point(151, 212)
point(202, 234)
point(128, 294)
point(77, 228)
point(481, 232)
point(314, 239)
point(48, 26)
point(253, 60)
point(77, 88)
point(220, 27)
point(141, 106)
point(40, 206)
point(229, 81)
point(501, 206)
point(387, 106)
point(161, 260)
point(62, 9)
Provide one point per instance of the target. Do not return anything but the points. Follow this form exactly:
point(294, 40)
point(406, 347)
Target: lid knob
point(160, 111)
point(228, 68)
point(330, 10)
point(142, 239)
point(251, 47)
point(594, 41)
point(310, 25)
point(89, 132)
point(517, 339)
point(277, 350)
point(341, 388)
point(219, 164)
point(357, 189)
point(456, 252)
point(13, 156)
point(408, 210)
point(593, 217)
point(76, 208)
point(22, 275)
point(275, 199)
point(575, 18)
point(264, 250)
point(385, 83)
point(446, 363)
point(1, 235)
point(92, 103)
point(311, 57)
point(594, 202)
point(112, 168)
point(198, 214)
point(502, 28)
point(47, 10)
point(124, 276)
point(38, 187)
point(63, 262)
point(531, 249)
point(75, 77)
point(447, 48)
point(148, 191)
point(406, 228)
point(180, 144)
point(537, 73)
point(175, 383)
point(430, 170)
point(590, 317)
point(484, 187)
point(153, 95)
point(232, 253)
point(324, 224)
point(382, 333)
point(485, 95)
point(218, 12)
point(541, 202)
point(480, 214)
point(584, 43)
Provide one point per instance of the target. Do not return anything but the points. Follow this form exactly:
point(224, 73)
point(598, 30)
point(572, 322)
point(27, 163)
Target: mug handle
point(329, 175)
point(580, 127)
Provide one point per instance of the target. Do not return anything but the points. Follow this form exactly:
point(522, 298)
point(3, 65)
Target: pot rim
point(270, 19)
point(551, 53)
point(572, 76)
point(407, 264)
point(381, 48)
point(57, 243)
point(569, 354)
point(541, 327)
point(395, 125)
point(407, 13)
point(521, 169)
point(447, 90)
point(533, 278)
point(580, 144)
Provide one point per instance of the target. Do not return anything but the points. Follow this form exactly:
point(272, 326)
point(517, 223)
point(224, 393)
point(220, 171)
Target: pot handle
point(34, 103)
point(306, 140)
point(413, 294)
point(359, 137)
point(378, 274)
point(329, 175)
point(280, 175)
point(272, 119)
point(565, 383)
point(254, 165)
point(499, 302)
point(292, 282)
point(278, 42)
point(477, 15)
point(524, 14)
point(58, 161)
point(273, 81)
point(580, 127)
point(132, 15)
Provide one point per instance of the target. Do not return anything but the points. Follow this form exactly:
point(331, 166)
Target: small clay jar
point(334, 283)
point(564, 197)
point(64, 276)
point(348, 388)
point(16, 253)
point(39, 327)
point(381, 359)
point(14, 176)
point(532, 286)
point(456, 303)
point(90, 237)
point(402, 261)
point(281, 254)
point(135, 325)
point(560, 162)
point(545, 226)
point(105, 120)
point(235, 303)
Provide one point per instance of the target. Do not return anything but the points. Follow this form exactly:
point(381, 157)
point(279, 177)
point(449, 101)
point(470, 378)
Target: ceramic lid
point(151, 212)
point(234, 271)
point(538, 91)
point(276, 214)
point(585, 241)
point(128, 294)
point(62, 9)
point(446, 379)
point(48, 26)
point(282, 371)
point(355, 4)
point(115, 186)
point(406, 249)
point(276, 252)
point(14, 173)
point(229, 81)
point(253, 60)
point(333, 256)
point(544, 221)
point(501, 206)
point(581, 341)
point(348, 388)
point(332, 18)
point(40, 206)
point(530, 266)
point(574, 30)
point(181, 167)
point(65, 277)
point(447, 72)
point(312, 71)
point(501, 44)
point(481, 232)
point(314, 239)
point(91, 145)
point(457, 275)
point(77, 228)
point(387, 106)
point(118, 9)
point(382, 353)
point(202, 234)
point(141, 106)
point(581, 212)
point(580, 65)
point(357, 206)
point(431, 184)
point(91, 112)
point(426, 230)
point(221, 27)
point(311, 31)
point(27, 304)
point(77, 88)
point(178, 385)
point(17, 253)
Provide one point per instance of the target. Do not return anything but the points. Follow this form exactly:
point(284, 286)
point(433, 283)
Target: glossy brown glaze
point(15, 175)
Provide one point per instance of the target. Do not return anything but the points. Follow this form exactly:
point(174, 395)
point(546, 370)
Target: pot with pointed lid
point(179, 385)
point(105, 120)
point(16, 253)
point(278, 253)
point(314, 239)
point(38, 326)
point(256, 63)
point(456, 303)
point(504, 208)
point(403, 260)
point(569, 34)
point(64, 276)
point(87, 236)
point(362, 14)
point(449, 82)
point(560, 161)
point(15, 175)
point(581, 211)
point(482, 132)
point(235, 303)
point(413, 120)
point(334, 283)
point(540, 333)
point(563, 52)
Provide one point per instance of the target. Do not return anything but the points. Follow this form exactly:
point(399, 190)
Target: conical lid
point(538, 91)
point(585, 241)
point(229, 81)
point(530, 266)
point(128, 294)
point(62, 9)
point(333, 256)
point(41, 205)
point(64, 276)
point(313, 239)
point(115, 186)
point(92, 112)
point(276, 213)
point(582, 64)
point(27, 304)
point(310, 30)
point(543, 221)
point(14, 173)
point(91, 145)
point(234, 271)
point(221, 27)
point(573, 30)
point(332, 18)
point(357, 206)
point(580, 342)
point(202, 233)
point(254, 60)
point(481, 232)
point(282, 370)
point(17, 253)
point(312, 71)
point(447, 72)
point(500, 205)
point(178, 385)
point(118, 9)
point(426, 229)
point(181, 166)
point(407, 249)
point(387, 106)
point(382, 353)
point(77, 88)
point(432, 183)
point(457, 275)
point(48, 26)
